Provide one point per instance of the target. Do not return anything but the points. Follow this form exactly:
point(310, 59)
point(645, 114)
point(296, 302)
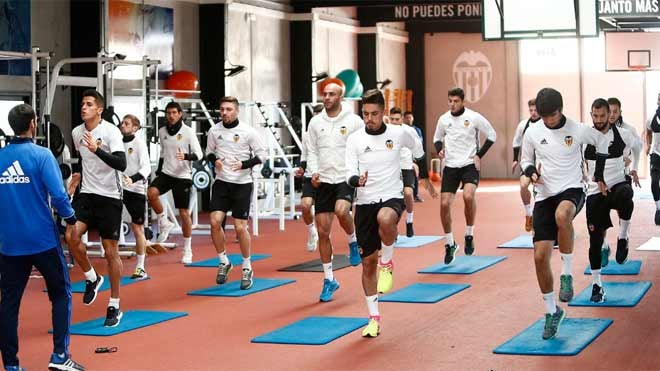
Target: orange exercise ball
point(328, 81)
point(182, 80)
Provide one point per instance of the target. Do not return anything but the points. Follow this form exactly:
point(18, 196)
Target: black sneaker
point(469, 245)
point(657, 217)
point(622, 250)
point(450, 253)
point(113, 317)
point(418, 199)
point(91, 289)
point(409, 230)
point(597, 294)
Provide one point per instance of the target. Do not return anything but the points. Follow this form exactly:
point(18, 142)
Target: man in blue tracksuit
point(29, 175)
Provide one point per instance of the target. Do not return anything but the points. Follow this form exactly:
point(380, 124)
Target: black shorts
point(99, 212)
point(599, 206)
point(231, 196)
point(452, 177)
point(655, 162)
point(327, 195)
point(545, 224)
point(308, 189)
point(136, 205)
point(366, 224)
point(180, 189)
point(408, 177)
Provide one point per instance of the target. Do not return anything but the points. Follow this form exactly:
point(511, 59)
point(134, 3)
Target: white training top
point(304, 140)
point(621, 142)
point(460, 136)
point(185, 140)
point(653, 124)
point(521, 129)
point(97, 176)
point(327, 144)
point(137, 161)
point(238, 143)
point(406, 155)
point(379, 155)
point(559, 154)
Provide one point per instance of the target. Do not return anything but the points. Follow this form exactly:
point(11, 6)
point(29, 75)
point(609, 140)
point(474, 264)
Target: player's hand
point(514, 166)
point(316, 181)
point(416, 169)
point(363, 179)
point(127, 181)
point(536, 178)
point(602, 187)
point(429, 187)
point(627, 161)
point(218, 165)
point(236, 165)
point(441, 154)
point(90, 142)
point(477, 162)
point(635, 178)
point(73, 184)
point(179, 154)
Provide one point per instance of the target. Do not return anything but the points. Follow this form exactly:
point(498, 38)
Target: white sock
point(469, 230)
point(311, 226)
point(223, 258)
point(657, 205)
point(327, 271)
point(114, 302)
point(247, 264)
point(550, 304)
point(187, 244)
point(595, 277)
point(449, 238)
point(140, 261)
point(352, 237)
point(386, 253)
point(566, 263)
point(90, 275)
point(161, 217)
point(528, 209)
point(409, 217)
point(624, 227)
point(372, 305)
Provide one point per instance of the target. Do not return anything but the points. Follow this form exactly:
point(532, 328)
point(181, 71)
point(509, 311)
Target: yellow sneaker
point(385, 279)
point(528, 223)
point(373, 328)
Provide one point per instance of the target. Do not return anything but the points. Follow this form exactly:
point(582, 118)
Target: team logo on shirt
point(389, 144)
point(179, 136)
point(220, 136)
point(568, 140)
point(543, 141)
point(99, 142)
point(236, 138)
point(367, 149)
point(343, 130)
point(466, 123)
point(130, 151)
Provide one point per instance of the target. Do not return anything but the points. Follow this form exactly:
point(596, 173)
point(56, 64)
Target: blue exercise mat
point(427, 293)
point(312, 331)
point(617, 294)
point(574, 335)
point(631, 268)
point(415, 241)
point(464, 265)
point(234, 259)
point(132, 320)
point(233, 288)
point(79, 287)
point(524, 241)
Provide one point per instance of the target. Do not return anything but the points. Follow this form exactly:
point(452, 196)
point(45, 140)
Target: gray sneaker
point(223, 273)
point(565, 288)
point(552, 322)
point(246, 278)
point(605, 255)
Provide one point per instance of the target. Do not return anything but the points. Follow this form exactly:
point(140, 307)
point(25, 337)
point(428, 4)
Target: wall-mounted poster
point(14, 35)
point(136, 30)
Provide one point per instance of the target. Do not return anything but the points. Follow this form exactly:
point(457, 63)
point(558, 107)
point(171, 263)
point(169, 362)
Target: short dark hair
point(19, 118)
point(229, 99)
point(133, 119)
point(98, 97)
point(395, 110)
point(614, 102)
point(317, 108)
point(407, 113)
point(173, 104)
point(456, 92)
point(548, 100)
point(600, 103)
point(373, 96)
point(531, 102)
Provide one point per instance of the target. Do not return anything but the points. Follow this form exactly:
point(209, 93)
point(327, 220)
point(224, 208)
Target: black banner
point(628, 8)
point(442, 11)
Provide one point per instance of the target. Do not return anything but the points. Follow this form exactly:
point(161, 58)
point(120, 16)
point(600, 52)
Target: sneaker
point(354, 254)
point(552, 322)
point(246, 278)
point(164, 228)
point(622, 250)
point(385, 277)
point(450, 253)
point(657, 217)
point(187, 256)
point(312, 240)
point(15, 368)
point(64, 362)
point(409, 230)
point(223, 273)
point(113, 317)
point(605, 255)
point(597, 294)
point(565, 287)
point(418, 199)
point(329, 288)
point(91, 289)
point(139, 274)
point(528, 223)
point(373, 327)
point(469, 245)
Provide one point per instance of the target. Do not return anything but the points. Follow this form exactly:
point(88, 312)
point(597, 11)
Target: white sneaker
point(312, 240)
point(187, 257)
point(164, 228)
